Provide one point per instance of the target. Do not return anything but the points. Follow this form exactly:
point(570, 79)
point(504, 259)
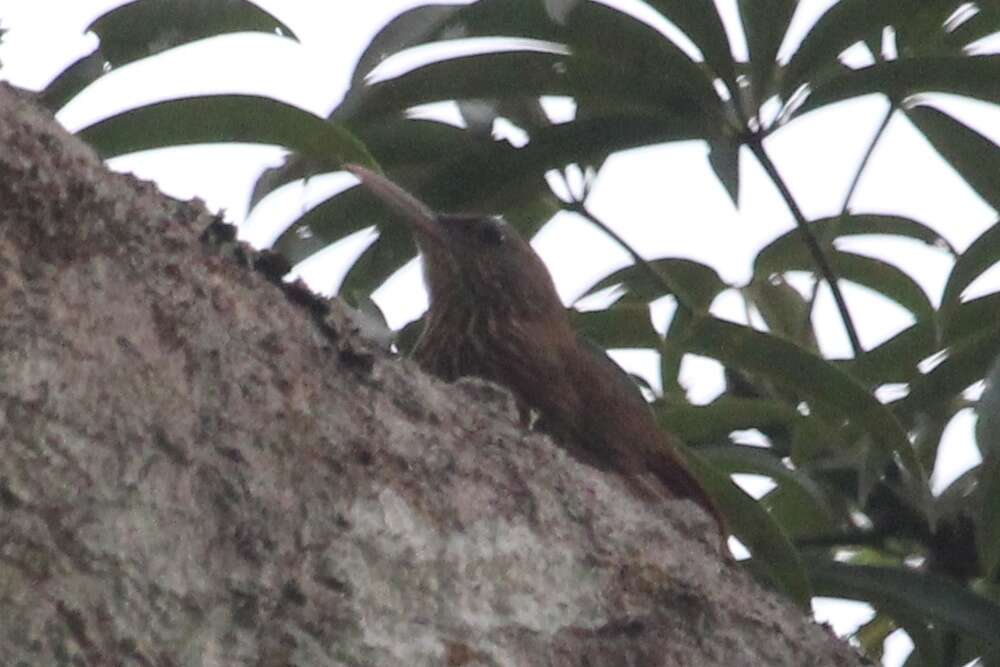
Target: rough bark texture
point(197, 468)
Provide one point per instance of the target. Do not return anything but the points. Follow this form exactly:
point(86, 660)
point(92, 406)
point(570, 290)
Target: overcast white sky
point(663, 200)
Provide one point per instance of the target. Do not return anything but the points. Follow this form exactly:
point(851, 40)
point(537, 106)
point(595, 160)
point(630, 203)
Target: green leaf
point(802, 508)
point(789, 253)
point(142, 28)
point(955, 500)
point(501, 75)
point(928, 643)
point(972, 76)
point(589, 30)
point(393, 248)
point(875, 274)
point(969, 318)
point(765, 23)
point(479, 116)
point(966, 363)
point(982, 254)
point(797, 503)
point(332, 220)
point(988, 441)
point(774, 255)
point(715, 421)
point(904, 592)
point(946, 27)
point(84, 71)
point(750, 460)
point(698, 283)
point(872, 635)
point(988, 521)
point(983, 24)
point(817, 442)
point(724, 158)
point(488, 177)
point(529, 214)
point(700, 21)
point(775, 556)
point(404, 141)
point(672, 353)
point(222, 119)
point(820, 382)
point(622, 326)
point(922, 32)
point(886, 279)
point(147, 27)
point(844, 24)
point(926, 430)
point(511, 18)
point(602, 32)
point(412, 27)
point(786, 312)
point(974, 156)
point(988, 415)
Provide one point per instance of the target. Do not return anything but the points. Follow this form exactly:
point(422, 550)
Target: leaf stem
point(850, 538)
point(845, 207)
point(756, 144)
point(867, 158)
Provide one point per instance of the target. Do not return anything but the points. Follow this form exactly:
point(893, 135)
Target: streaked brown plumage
point(494, 313)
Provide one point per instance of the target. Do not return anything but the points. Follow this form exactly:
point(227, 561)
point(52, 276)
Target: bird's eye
point(491, 234)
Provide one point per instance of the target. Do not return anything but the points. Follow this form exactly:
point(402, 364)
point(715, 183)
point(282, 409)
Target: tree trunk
point(201, 466)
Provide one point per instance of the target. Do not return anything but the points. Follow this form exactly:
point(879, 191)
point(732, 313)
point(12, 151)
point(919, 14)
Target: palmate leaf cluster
point(851, 514)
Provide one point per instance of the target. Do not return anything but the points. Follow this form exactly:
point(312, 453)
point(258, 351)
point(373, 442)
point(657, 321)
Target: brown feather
point(495, 314)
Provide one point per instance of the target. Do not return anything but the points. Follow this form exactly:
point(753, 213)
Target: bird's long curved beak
point(416, 214)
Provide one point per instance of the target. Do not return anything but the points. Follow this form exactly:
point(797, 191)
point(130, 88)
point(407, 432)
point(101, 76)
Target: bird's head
point(478, 259)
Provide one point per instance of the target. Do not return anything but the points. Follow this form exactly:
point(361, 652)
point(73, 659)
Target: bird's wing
point(619, 420)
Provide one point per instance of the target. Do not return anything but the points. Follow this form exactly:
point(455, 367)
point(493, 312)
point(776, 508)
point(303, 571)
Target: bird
point(494, 314)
